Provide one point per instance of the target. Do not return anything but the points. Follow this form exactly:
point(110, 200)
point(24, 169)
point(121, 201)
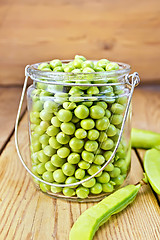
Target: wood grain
point(33, 31)
point(28, 214)
point(9, 99)
point(146, 109)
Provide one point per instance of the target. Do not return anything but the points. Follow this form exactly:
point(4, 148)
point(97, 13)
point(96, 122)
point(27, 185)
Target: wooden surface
point(33, 31)
point(9, 99)
point(27, 214)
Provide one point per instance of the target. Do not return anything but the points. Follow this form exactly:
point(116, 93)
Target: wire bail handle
point(131, 80)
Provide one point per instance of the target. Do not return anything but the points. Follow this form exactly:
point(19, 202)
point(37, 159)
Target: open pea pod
point(152, 168)
point(89, 221)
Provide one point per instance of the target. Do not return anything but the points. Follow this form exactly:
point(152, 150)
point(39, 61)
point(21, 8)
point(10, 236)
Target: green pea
point(96, 189)
point(98, 69)
point(120, 163)
point(60, 97)
point(33, 126)
point(77, 150)
point(71, 180)
point(115, 173)
point(55, 122)
point(39, 130)
point(42, 66)
point(122, 100)
point(104, 178)
point(34, 117)
point(87, 103)
point(36, 146)
point(123, 169)
point(102, 124)
point(79, 173)
point(88, 156)
point(55, 63)
point(68, 68)
point(83, 165)
point(37, 106)
point(63, 152)
point(76, 91)
point(80, 133)
point(34, 158)
point(44, 187)
point(68, 191)
point(68, 169)
point(92, 91)
point(44, 125)
point(87, 124)
point(76, 143)
point(107, 113)
point(97, 112)
point(59, 176)
point(91, 146)
point(76, 71)
point(116, 119)
point(102, 104)
point(68, 128)
point(107, 145)
point(49, 166)
point(87, 64)
point(102, 137)
point(88, 70)
point(50, 106)
point(102, 63)
point(93, 134)
point(45, 116)
point(109, 167)
point(99, 159)
point(107, 187)
point(58, 69)
point(93, 169)
point(57, 161)
point(54, 88)
point(41, 168)
point(48, 176)
point(54, 143)
point(52, 131)
point(111, 131)
point(64, 115)
point(117, 108)
point(118, 180)
point(56, 189)
point(49, 151)
point(112, 66)
point(75, 119)
point(62, 138)
point(81, 112)
point(90, 183)
point(76, 99)
point(42, 157)
point(69, 105)
point(78, 57)
point(77, 63)
point(82, 192)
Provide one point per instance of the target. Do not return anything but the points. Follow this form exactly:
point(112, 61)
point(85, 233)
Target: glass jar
point(75, 123)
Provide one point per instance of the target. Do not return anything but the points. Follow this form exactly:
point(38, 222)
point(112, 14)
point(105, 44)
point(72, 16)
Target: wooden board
point(146, 109)
point(28, 214)
point(9, 99)
point(33, 31)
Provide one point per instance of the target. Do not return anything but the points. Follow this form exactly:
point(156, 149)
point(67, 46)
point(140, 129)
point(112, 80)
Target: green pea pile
point(74, 129)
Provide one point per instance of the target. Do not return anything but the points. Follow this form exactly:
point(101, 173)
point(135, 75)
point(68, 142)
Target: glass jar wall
point(74, 125)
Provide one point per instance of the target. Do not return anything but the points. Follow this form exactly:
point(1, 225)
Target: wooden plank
point(118, 30)
point(146, 112)
point(28, 214)
point(9, 99)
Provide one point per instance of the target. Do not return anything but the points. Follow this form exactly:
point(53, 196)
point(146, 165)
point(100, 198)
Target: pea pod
point(145, 139)
point(152, 168)
point(89, 221)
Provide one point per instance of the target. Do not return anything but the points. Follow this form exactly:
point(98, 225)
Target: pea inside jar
point(75, 124)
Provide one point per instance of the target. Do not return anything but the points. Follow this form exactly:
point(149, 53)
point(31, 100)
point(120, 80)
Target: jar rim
point(62, 77)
